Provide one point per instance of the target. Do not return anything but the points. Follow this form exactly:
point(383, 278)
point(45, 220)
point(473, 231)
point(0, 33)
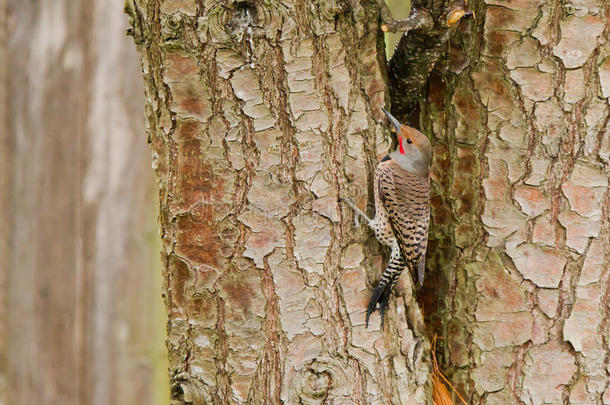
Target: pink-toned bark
point(261, 115)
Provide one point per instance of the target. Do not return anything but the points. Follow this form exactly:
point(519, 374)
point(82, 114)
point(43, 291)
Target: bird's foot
point(349, 202)
point(357, 210)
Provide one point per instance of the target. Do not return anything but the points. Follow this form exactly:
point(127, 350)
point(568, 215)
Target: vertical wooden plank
point(4, 200)
point(83, 292)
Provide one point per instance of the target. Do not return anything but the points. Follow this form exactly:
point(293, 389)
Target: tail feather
point(421, 266)
point(383, 291)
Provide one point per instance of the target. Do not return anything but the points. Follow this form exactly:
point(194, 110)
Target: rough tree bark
point(262, 114)
point(520, 243)
point(80, 309)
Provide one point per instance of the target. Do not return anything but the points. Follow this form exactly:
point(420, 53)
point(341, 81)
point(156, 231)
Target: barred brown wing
point(406, 198)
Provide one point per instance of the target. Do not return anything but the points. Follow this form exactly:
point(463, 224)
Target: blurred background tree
point(81, 319)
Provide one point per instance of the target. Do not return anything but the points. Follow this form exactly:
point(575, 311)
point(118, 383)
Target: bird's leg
point(358, 212)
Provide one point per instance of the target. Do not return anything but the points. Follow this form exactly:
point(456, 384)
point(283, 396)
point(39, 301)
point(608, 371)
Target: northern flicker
point(402, 210)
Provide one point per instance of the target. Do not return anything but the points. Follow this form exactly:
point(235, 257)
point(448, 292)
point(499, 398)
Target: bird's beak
point(393, 120)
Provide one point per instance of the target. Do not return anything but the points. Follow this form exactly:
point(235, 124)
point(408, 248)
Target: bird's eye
point(409, 140)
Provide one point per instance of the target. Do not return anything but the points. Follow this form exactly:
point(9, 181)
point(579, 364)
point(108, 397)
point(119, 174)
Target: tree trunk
point(261, 116)
point(80, 310)
point(520, 244)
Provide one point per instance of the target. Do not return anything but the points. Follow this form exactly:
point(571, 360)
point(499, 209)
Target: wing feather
point(405, 197)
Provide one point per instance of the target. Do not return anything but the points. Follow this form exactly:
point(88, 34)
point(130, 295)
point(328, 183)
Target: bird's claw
point(348, 201)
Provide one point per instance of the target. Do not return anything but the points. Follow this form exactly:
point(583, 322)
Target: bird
point(402, 210)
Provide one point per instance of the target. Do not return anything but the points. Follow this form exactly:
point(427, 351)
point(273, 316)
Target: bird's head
point(414, 152)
